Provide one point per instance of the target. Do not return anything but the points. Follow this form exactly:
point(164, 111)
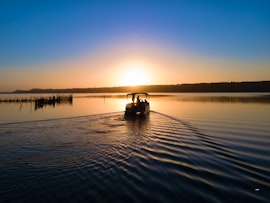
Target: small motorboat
point(140, 107)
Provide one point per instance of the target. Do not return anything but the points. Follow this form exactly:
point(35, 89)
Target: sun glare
point(134, 75)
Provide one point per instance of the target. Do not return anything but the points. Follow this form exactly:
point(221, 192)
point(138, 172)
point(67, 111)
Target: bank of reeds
point(42, 101)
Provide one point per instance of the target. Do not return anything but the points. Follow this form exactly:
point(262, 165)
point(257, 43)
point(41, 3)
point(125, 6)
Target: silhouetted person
point(138, 99)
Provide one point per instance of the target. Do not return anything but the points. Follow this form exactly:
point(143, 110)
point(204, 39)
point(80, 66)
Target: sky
point(103, 43)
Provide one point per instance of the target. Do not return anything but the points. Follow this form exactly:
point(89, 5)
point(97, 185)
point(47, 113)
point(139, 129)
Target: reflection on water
point(190, 148)
point(175, 104)
point(229, 99)
point(113, 158)
point(52, 101)
point(18, 107)
point(216, 97)
point(137, 123)
point(199, 97)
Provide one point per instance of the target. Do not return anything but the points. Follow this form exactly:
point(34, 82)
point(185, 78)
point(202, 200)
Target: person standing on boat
point(138, 99)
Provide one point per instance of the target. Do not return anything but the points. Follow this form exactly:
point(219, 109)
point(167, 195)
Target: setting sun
point(134, 75)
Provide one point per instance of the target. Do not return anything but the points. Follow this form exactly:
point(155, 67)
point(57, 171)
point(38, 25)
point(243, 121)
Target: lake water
point(190, 148)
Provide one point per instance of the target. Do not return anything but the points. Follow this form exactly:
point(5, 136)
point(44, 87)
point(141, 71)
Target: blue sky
point(34, 33)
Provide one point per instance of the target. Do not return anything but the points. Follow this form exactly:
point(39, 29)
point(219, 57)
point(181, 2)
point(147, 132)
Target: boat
point(140, 107)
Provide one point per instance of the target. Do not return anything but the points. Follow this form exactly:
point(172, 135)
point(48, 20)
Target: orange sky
point(80, 44)
point(110, 67)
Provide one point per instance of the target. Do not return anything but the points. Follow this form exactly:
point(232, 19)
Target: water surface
point(191, 148)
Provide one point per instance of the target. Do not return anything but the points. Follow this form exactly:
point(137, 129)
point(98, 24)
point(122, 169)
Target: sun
point(134, 75)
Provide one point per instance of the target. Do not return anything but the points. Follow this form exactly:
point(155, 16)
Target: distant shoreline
point(259, 86)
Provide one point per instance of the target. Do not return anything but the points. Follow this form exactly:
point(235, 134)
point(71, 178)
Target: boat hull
point(141, 109)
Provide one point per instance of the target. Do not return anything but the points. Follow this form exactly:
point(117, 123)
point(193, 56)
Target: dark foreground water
point(111, 158)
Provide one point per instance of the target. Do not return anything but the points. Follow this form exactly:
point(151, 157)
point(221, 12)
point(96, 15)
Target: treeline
point(261, 86)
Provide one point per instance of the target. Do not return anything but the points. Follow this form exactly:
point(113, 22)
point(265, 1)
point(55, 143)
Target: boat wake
point(114, 158)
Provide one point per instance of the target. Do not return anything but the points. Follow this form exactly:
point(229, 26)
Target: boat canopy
point(135, 93)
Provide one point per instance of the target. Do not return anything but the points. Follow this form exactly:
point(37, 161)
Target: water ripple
point(113, 158)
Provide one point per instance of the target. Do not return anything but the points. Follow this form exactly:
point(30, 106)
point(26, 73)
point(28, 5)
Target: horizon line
point(131, 87)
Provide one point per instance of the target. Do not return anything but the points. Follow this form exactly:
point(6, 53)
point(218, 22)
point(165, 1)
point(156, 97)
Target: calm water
point(191, 148)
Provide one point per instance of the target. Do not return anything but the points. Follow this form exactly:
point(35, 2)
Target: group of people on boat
point(138, 106)
point(138, 100)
